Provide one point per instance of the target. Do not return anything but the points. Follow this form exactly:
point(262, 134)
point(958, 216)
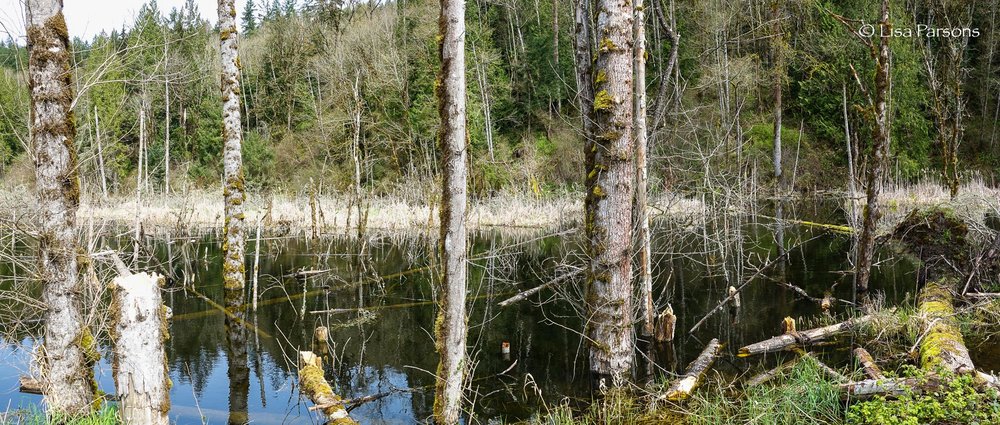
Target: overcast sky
point(85, 18)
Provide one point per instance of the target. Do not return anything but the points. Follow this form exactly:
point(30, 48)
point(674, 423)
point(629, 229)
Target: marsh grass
point(802, 395)
point(34, 415)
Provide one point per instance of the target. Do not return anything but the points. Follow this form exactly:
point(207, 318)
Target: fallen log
point(770, 374)
point(888, 387)
point(682, 388)
point(811, 336)
point(527, 293)
point(942, 346)
point(314, 386)
point(868, 363)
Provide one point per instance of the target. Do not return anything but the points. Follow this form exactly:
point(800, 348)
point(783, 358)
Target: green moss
point(607, 45)
point(600, 78)
point(602, 101)
point(960, 400)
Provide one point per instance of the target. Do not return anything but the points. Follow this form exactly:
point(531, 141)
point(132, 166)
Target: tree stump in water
point(140, 368)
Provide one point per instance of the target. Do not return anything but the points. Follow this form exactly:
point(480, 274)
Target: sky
point(86, 18)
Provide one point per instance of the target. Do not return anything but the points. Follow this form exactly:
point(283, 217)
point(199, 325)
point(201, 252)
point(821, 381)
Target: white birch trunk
point(451, 326)
point(140, 366)
point(67, 372)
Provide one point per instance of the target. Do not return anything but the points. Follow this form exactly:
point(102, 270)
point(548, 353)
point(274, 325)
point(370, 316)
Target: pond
point(379, 305)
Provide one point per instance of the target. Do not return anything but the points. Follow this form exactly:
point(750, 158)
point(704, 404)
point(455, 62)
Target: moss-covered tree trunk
point(232, 158)
point(234, 194)
point(67, 378)
point(451, 327)
point(880, 147)
point(610, 184)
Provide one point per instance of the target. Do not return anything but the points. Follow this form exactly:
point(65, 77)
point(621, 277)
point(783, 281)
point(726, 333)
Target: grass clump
point(958, 401)
point(801, 395)
point(34, 415)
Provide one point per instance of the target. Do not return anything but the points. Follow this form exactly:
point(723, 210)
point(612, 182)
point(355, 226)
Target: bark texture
point(65, 362)
point(233, 269)
point(880, 151)
point(451, 327)
point(608, 206)
point(140, 366)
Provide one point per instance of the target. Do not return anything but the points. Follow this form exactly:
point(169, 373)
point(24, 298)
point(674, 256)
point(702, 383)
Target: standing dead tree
point(944, 58)
point(608, 204)
point(451, 325)
point(66, 367)
point(879, 115)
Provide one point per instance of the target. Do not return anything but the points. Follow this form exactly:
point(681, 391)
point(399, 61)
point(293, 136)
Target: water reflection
point(229, 363)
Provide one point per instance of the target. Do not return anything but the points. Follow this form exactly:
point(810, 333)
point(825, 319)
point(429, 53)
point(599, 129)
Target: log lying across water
point(695, 373)
point(789, 340)
point(314, 386)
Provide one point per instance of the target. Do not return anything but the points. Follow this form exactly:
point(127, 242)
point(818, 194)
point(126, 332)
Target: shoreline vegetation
point(201, 211)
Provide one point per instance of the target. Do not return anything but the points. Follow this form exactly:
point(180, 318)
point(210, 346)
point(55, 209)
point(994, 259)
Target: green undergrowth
point(957, 401)
point(34, 415)
point(800, 395)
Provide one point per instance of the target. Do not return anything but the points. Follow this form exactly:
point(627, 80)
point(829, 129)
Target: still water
point(381, 323)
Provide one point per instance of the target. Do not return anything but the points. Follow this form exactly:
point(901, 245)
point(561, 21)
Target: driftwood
point(794, 339)
point(695, 373)
point(868, 363)
point(140, 328)
point(314, 386)
point(527, 293)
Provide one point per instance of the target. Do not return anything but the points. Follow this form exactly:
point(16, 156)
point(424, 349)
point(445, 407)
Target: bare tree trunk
point(778, 67)
point(233, 269)
point(583, 57)
point(166, 122)
point(100, 154)
point(451, 328)
point(141, 375)
point(608, 205)
point(642, 174)
point(880, 144)
point(66, 368)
